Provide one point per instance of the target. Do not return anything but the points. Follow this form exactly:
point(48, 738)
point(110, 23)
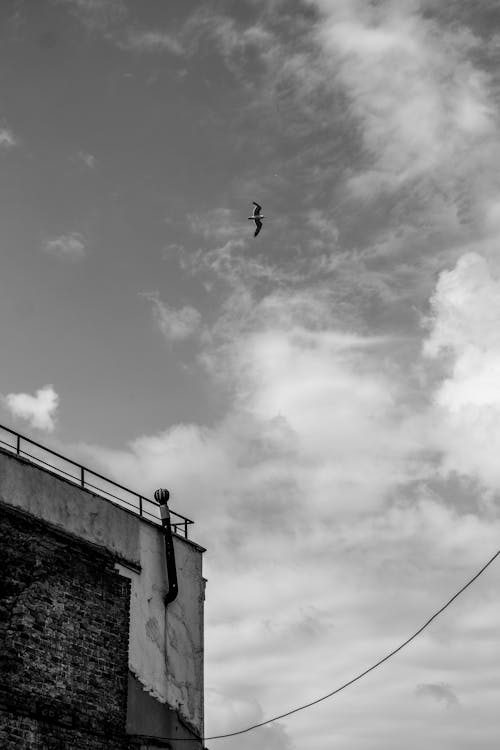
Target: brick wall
point(64, 625)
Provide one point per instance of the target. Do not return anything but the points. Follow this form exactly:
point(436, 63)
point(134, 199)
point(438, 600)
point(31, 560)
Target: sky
point(323, 400)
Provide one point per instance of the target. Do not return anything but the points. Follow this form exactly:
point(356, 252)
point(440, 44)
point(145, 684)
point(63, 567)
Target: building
point(91, 655)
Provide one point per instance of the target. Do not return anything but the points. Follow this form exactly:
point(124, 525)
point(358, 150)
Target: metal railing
point(37, 454)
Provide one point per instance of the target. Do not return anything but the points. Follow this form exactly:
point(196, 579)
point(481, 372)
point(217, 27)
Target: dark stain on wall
point(151, 720)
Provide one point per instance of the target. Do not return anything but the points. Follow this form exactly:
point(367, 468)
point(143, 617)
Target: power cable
point(362, 674)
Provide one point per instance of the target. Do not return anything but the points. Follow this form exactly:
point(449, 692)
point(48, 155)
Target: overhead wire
point(359, 676)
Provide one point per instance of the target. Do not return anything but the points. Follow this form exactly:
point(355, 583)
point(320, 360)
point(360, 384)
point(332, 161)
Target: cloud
point(175, 324)
point(7, 138)
point(220, 224)
point(465, 309)
point(440, 692)
point(234, 40)
point(97, 15)
point(231, 710)
point(153, 40)
point(88, 159)
point(39, 410)
point(69, 246)
point(312, 409)
point(324, 226)
point(303, 421)
point(286, 86)
point(410, 83)
point(111, 19)
point(465, 337)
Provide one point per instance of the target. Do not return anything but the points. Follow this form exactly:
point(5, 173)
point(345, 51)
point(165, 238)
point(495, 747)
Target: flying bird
point(257, 217)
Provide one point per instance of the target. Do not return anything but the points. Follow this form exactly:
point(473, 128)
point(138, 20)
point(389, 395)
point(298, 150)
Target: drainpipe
point(161, 497)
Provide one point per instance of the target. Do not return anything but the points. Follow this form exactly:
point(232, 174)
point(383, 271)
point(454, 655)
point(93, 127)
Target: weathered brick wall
point(64, 627)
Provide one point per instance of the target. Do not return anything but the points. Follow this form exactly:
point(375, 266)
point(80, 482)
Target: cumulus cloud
point(464, 333)
point(465, 309)
point(175, 324)
point(338, 406)
point(304, 420)
point(66, 246)
point(38, 410)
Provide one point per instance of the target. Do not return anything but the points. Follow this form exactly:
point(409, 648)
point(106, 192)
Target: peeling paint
point(147, 716)
point(146, 687)
point(153, 632)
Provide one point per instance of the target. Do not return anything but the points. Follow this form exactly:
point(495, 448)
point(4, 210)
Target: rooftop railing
point(86, 479)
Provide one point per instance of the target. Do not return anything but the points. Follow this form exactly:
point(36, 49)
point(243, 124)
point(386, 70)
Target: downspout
point(162, 496)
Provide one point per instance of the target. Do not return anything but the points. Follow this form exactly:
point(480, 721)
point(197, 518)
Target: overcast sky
point(323, 400)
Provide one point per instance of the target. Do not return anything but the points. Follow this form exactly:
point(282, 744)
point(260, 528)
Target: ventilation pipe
point(161, 497)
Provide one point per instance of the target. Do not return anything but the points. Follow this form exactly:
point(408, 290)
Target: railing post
point(18, 445)
point(186, 529)
point(140, 505)
point(82, 476)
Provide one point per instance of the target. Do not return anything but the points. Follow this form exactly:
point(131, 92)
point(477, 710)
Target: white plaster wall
point(166, 643)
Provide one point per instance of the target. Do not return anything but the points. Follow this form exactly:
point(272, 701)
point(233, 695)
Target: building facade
point(91, 657)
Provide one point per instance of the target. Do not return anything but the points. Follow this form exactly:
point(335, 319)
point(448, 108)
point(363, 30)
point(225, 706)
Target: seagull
point(257, 217)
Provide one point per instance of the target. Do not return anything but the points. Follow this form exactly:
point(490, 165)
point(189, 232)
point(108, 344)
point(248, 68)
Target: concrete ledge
point(53, 499)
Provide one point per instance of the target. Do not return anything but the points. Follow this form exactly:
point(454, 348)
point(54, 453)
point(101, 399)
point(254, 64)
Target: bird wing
point(257, 209)
point(258, 227)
